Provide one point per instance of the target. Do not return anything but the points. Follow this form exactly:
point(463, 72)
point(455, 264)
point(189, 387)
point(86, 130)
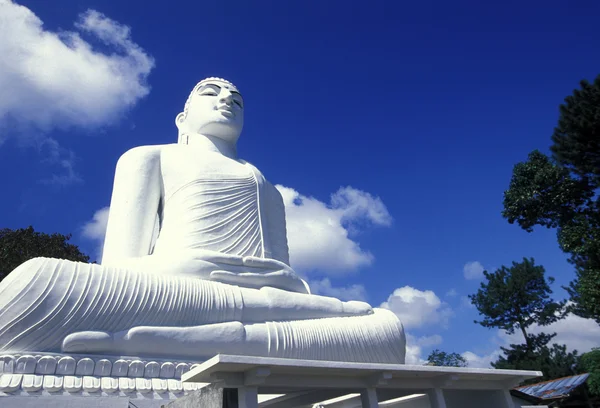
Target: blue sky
point(421, 110)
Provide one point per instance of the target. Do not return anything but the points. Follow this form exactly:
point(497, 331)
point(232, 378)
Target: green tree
point(443, 359)
point(590, 363)
point(20, 245)
point(561, 191)
point(515, 298)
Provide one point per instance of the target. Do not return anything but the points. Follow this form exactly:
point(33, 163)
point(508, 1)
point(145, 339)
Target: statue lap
point(58, 305)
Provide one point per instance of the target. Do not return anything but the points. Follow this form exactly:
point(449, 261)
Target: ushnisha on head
point(215, 108)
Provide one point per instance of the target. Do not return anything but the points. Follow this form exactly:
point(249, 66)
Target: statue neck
point(209, 143)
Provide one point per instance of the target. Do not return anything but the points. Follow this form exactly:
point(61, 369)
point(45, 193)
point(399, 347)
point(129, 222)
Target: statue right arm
point(134, 205)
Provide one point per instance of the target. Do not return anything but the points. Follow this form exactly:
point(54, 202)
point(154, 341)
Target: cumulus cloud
point(62, 80)
point(58, 79)
point(350, 292)
point(417, 308)
point(320, 235)
point(473, 270)
point(95, 229)
point(415, 345)
point(575, 332)
point(484, 361)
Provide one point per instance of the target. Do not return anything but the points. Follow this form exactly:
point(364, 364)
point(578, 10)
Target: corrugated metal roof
point(555, 388)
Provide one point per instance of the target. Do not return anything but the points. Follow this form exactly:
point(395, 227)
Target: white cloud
point(57, 79)
point(357, 205)
point(320, 234)
point(60, 80)
point(428, 341)
point(473, 270)
point(575, 332)
point(414, 347)
point(351, 292)
point(95, 229)
point(484, 361)
point(417, 308)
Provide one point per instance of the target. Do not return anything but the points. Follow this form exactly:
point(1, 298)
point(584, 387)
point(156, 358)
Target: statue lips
point(226, 111)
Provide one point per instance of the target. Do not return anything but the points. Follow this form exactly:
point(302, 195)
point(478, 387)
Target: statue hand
point(269, 272)
point(280, 279)
point(265, 263)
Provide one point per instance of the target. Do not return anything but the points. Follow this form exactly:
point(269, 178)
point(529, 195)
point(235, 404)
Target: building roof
point(280, 375)
point(561, 387)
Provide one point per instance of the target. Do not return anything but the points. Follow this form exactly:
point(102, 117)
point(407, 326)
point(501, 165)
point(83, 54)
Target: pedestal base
point(55, 380)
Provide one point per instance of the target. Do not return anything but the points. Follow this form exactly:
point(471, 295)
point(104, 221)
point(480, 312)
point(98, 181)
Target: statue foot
point(376, 338)
point(193, 341)
point(356, 308)
point(87, 342)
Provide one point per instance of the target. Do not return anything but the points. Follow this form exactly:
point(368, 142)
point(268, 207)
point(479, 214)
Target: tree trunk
point(527, 339)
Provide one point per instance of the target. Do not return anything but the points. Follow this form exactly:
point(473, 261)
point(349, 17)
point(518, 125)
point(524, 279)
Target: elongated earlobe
point(179, 122)
point(179, 119)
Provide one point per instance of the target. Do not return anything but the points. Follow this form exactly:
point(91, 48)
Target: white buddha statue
point(195, 263)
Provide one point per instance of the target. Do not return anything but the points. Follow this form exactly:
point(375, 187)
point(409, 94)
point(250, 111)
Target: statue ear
point(179, 120)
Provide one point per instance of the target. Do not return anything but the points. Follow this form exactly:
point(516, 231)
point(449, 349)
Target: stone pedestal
point(90, 381)
point(229, 381)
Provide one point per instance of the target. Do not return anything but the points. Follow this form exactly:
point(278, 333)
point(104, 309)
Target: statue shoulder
point(141, 155)
point(250, 165)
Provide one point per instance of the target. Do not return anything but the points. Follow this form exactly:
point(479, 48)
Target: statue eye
point(209, 93)
point(238, 103)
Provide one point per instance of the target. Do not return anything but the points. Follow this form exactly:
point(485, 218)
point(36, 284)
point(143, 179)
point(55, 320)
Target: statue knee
point(34, 264)
point(28, 270)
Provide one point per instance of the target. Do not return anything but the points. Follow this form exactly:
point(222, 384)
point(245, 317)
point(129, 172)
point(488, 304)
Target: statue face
point(215, 109)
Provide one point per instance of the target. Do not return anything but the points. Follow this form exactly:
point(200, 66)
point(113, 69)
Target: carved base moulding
point(39, 374)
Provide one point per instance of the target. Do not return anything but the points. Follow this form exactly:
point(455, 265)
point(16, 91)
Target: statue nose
point(227, 99)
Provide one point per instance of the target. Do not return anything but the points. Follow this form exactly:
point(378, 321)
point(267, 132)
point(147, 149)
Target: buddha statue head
point(215, 108)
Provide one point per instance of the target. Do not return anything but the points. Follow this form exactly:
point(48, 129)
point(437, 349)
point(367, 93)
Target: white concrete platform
point(303, 383)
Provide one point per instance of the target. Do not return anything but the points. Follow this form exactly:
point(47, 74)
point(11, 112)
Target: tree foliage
point(443, 359)
point(515, 298)
point(590, 363)
point(561, 191)
point(20, 245)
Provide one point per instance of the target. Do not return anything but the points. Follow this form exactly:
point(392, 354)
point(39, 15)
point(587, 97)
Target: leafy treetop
point(562, 192)
point(443, 359)
point(515, 298)
point(20, 245)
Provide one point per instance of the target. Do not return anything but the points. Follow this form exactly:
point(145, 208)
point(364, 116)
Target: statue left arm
point(134, 205)
point(275, 225)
